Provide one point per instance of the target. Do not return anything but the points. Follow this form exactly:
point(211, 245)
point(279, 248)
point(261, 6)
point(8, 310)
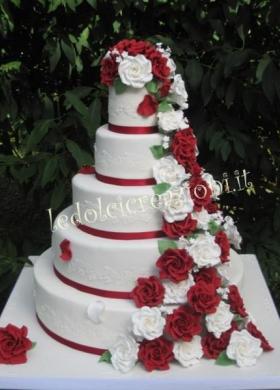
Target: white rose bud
point(135, 71)
point(124, 353)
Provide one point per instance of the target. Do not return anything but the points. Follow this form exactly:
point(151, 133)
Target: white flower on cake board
point(205, 251)
point(177, 292)
point(135, 71)
point(124, 353)
point(147, 323)
point(244, 348)
point(172, 120)
point(167, 170)
point(220, 321)
point(176, 204)
point(188, 353)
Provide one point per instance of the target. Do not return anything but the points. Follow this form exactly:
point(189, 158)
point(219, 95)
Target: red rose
point(208, 275)
point(148, 106)
point(156, 354)
point(132, 46)
point(258, 334)
point(109, 70)
point(183, 324)
point(179, 228)
point(66, 253)
point(183, 146)
point(193, 167)
point(148, 292)
point(236, 302)
point(174, 264)
point(200, 192)
point(87, 170)
point(212, 347)
point(223, 242)
point(212, 207)
point(203, 298)
point(164, 88)
point(14, 344)
point(159, 66)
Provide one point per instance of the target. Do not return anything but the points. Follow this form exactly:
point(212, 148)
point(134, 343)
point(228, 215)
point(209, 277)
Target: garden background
point(51, 104)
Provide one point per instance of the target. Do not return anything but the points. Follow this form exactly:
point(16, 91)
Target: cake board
point(53, 366)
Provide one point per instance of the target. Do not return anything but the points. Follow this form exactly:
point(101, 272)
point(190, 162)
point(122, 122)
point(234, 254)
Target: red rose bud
point(203, 298)
point(212, 346)
point(183, 147)
point(200, 192)
point(165, 88)
point(183, 324)
point(223, 242)
point(174, 264)
point(236, 302)
point(258, 334)
point(148, 106)
point(66, 253)
point(14, 344)
point(159, 66)
point(180, 228)
point(156, 354)
point(148, 292)
point(209, 276)
point(109, 70)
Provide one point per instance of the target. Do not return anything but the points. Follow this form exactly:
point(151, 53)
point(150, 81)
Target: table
point(52, 366)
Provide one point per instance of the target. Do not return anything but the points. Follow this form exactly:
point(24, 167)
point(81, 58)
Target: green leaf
point(55, 57)
point(230, 94)
point(94, 116)
point(224, 360)
point(105, 357)
point(152, 87)
point(213, 227)
point(268, 82)
point(262, 65)
point(239, 320)
point(33, 344)
point(234, 60)
point(81, 157)
point(206, 88)
point(49, 171)
point(74, 101)
point(69, 52)
point(16, 3)
point(161, 188)
point(194, 73)
point(93, 3)
point(225, 150)
point(239, 147)
point(158, 151)
point(38, 133)
point(164, 106)
point(13, 66)
point(58, 196)
point(163, 245)
point(119, 86)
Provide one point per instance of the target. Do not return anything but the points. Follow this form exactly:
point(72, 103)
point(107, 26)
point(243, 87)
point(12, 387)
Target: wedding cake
point(140, 267)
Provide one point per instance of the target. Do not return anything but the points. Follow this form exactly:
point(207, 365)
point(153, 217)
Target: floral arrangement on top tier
point(189, 310)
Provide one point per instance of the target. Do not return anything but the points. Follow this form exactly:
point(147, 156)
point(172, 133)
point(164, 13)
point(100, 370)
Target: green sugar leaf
point(224, 360)
point(105, 357)
point(163, 245)
point(119, 86)
point(161, 188)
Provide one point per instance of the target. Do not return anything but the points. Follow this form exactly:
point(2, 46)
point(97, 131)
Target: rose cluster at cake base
point(189, 310)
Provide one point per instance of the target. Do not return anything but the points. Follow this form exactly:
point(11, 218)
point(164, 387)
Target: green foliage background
point(51, 104)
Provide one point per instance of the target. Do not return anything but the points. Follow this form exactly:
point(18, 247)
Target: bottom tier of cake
point(84, 321)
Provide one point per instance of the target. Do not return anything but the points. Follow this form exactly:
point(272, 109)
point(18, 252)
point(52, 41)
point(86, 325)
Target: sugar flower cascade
point(189, 309)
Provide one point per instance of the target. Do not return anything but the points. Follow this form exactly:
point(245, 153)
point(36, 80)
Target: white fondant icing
point(125, 156)
point(115, 208)
point(123, 108)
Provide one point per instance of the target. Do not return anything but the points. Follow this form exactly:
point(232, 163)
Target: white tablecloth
point(52, 366)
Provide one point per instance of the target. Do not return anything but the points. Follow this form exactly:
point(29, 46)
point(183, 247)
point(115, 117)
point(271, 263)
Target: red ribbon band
point(133, 129)
point(125, 182)
point(69, 343)
point(119, 235)
point(92, 290)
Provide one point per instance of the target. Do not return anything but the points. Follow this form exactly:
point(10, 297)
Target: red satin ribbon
point(69, 343)
point(92, 290)
point(125, 182)
point(119, 235)
point(133, 129)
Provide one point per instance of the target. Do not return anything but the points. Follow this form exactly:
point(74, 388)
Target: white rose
point(232, 232)
point(176, 204)
point(244, 348)
point(214, 185)
point(178, 93)
point(135, 71)
point(172, 120)
point(188, 353)
point(172, 66)
point(203, 218)
point(167, 170)
point(124, 353)
point(147, 323)
point(220, 321)
point(204, 251)
point(224, 271)
point(177, 292)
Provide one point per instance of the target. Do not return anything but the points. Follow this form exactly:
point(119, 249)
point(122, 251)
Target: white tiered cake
point(111, 235)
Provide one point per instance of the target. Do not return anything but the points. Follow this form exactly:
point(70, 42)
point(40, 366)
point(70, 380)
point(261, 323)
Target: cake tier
point(83, 318)
point(125, 156)
point(102, 263)
point(122, 108)
point(115, 208)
